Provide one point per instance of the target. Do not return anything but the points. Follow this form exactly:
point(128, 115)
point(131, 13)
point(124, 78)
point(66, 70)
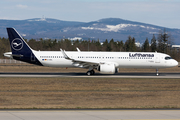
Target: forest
point(160, 43)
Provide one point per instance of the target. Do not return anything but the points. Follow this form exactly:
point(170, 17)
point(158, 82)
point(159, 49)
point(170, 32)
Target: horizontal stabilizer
point(10, 55)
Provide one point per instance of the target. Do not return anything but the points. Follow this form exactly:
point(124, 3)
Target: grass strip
point(64, 93)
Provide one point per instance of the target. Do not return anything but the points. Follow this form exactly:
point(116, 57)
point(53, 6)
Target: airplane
point(105, 62)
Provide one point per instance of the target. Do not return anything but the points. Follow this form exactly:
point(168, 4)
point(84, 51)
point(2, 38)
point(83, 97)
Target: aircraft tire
point(92, 72)
point(88, 73)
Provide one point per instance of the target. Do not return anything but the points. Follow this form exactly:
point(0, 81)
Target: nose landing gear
point(157, 73)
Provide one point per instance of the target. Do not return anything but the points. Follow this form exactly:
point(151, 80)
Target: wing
point(81, 63)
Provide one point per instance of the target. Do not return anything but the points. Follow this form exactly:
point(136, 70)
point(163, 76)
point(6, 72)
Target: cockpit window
point(167, 58)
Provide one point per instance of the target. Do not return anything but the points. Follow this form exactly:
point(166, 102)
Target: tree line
point(160, 43)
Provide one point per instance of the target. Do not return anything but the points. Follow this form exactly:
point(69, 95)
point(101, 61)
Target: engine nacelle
point(108, 68)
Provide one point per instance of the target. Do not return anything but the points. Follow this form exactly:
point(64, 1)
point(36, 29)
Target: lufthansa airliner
point(105, 62)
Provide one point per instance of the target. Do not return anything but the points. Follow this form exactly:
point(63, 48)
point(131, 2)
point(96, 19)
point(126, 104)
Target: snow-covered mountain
point(115, 28)
point(118, 29)
point(103, 29)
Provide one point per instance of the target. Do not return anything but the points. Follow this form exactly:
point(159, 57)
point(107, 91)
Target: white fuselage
point(120, 59)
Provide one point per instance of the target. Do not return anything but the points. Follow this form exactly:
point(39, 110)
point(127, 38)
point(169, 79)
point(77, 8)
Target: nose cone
point(175, 63)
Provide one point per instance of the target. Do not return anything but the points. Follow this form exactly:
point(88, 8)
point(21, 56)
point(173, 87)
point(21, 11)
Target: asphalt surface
point(118, 75)
point(90, 115)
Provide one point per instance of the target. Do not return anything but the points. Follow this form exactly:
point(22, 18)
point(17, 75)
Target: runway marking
point(147, 119)
point(82, 75)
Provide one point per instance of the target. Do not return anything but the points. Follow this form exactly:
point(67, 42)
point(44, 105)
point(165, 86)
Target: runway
point(72, 74)
point(90, 114)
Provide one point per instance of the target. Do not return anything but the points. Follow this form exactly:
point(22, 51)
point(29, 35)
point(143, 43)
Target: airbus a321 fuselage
point(105, 62)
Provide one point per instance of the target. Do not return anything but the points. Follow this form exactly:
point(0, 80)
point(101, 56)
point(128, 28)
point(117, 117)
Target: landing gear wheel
point(91, 72)
point(88, 73)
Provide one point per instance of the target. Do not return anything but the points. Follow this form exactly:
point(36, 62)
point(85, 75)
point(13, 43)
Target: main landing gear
point(91, 72)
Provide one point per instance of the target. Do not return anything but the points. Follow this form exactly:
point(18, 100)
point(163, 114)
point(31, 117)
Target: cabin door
point(157, 59)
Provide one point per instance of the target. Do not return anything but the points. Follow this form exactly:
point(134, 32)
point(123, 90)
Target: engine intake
point(108, 68)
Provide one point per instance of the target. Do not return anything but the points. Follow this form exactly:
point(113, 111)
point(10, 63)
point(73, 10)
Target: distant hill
point(34, 28)
point(108, 28)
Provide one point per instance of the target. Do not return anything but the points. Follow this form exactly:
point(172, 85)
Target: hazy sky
point(164, 13)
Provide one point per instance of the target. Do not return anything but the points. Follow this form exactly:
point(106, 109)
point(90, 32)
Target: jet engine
point(107, 68)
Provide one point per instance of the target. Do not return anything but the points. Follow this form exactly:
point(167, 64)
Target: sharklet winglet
point(65, 55)
point(78, 49)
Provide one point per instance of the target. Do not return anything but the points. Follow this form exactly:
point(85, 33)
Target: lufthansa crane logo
point(17, 44)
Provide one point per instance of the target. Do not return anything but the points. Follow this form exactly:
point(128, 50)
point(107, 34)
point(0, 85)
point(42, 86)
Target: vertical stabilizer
point(17, 43)
point(20, 49)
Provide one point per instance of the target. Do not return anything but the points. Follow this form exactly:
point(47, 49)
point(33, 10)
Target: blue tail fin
point(20, 49)
point(17, 43)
